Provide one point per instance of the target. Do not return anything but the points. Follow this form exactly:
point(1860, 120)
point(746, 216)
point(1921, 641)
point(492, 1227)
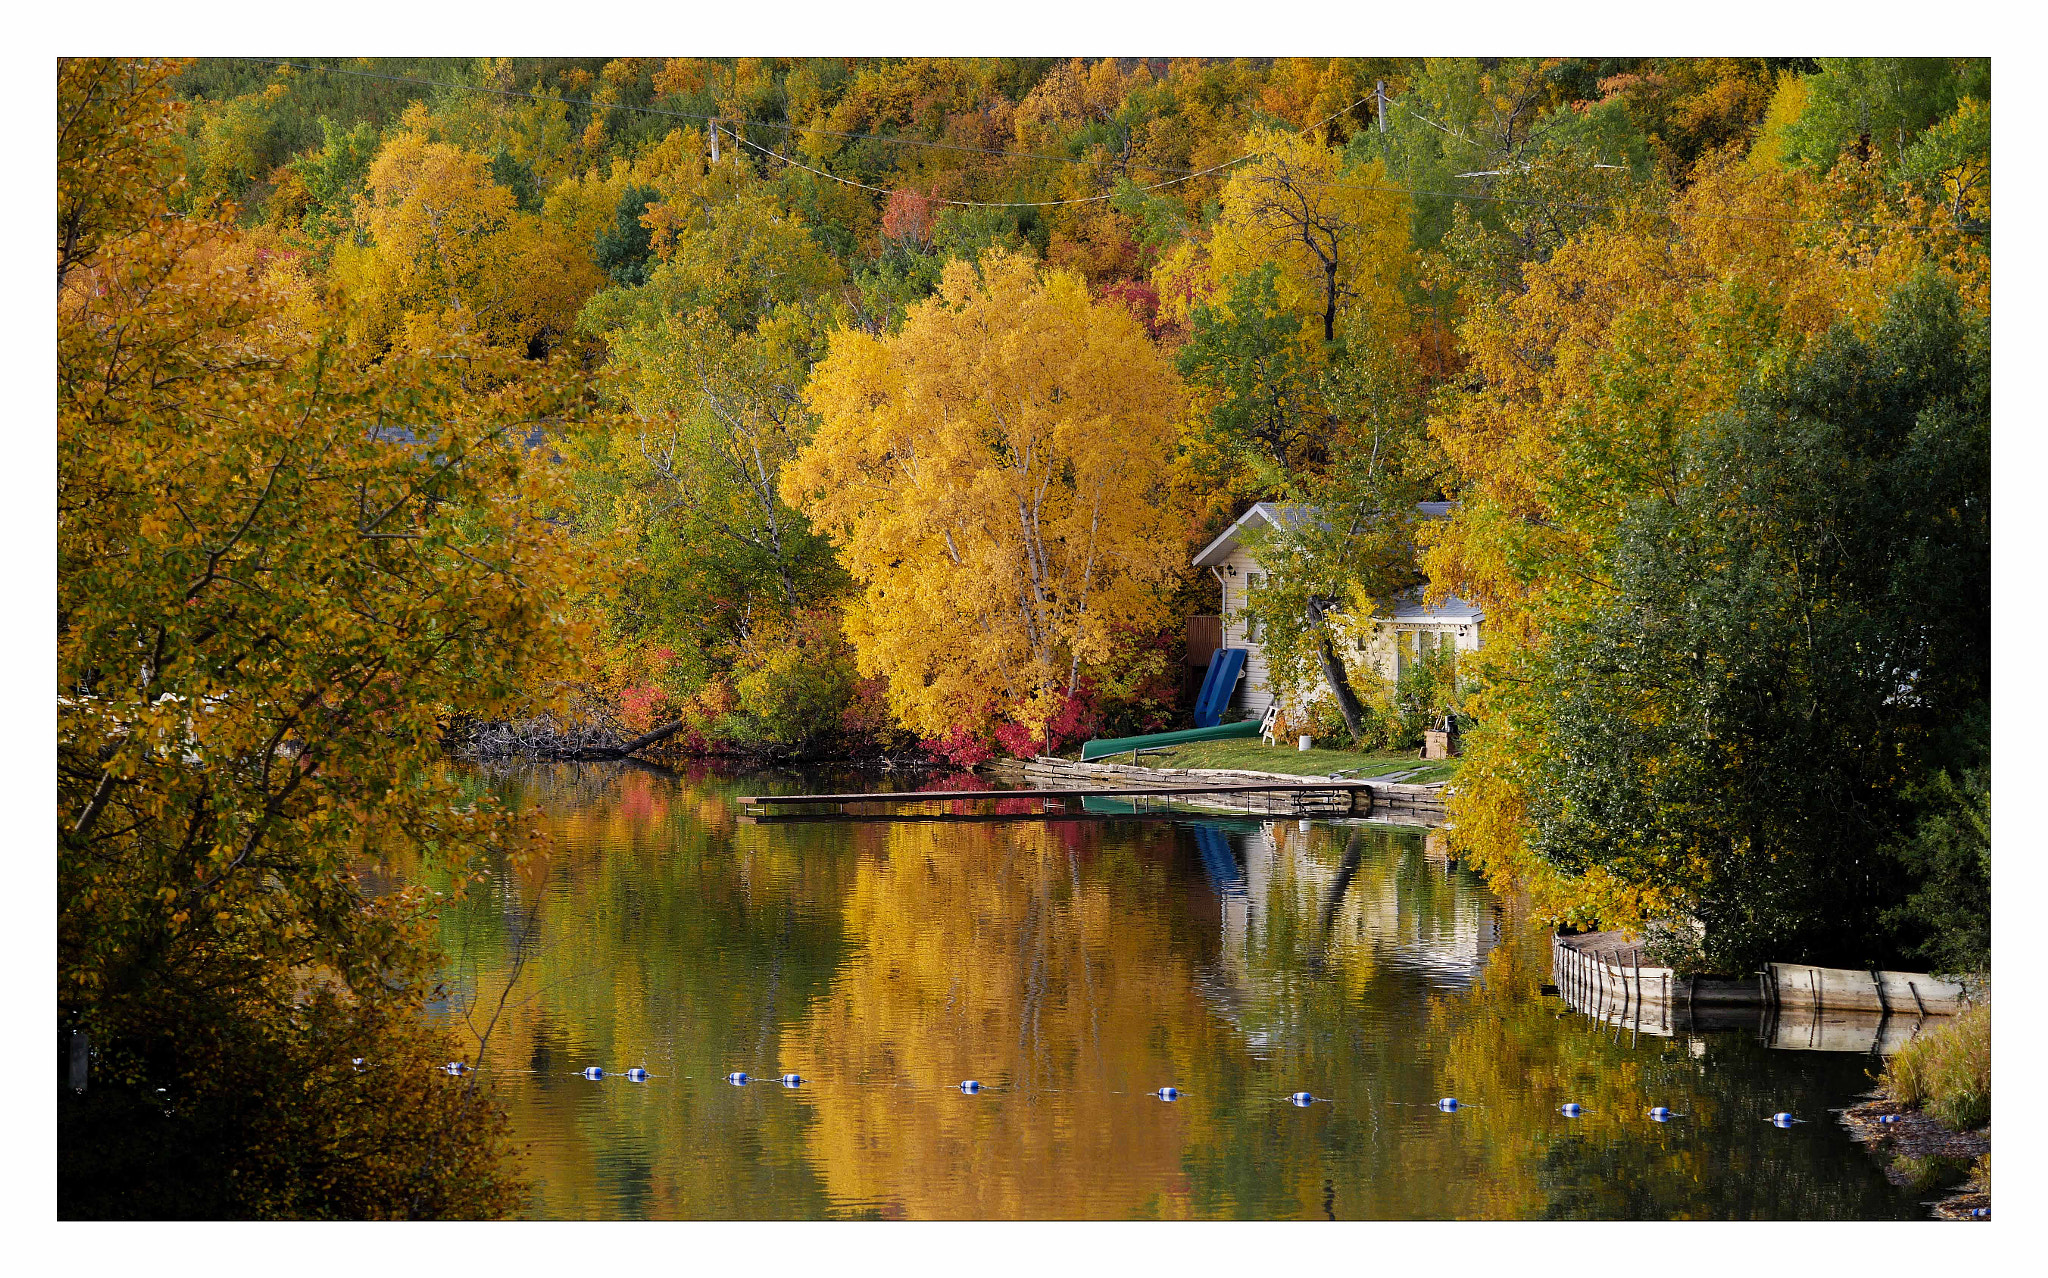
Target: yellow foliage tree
point(284, 565)
point(450, 253)
point(995, 477)
point(1340, 238)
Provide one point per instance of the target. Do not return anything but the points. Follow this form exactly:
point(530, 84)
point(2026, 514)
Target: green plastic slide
point(1103, 747)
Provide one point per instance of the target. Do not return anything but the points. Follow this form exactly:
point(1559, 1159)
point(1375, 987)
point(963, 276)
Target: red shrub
point(908, 218)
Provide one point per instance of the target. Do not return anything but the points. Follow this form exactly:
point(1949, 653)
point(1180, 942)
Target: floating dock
point(1048, 803)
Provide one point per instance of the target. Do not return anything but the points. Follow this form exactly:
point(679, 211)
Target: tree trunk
point(1330, 300)
point(1333, 675)
point(637, 744)
point(1340, 688)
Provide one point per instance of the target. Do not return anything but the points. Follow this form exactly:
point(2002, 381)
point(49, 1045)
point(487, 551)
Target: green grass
point(1947, 1071)
point(1254, 755)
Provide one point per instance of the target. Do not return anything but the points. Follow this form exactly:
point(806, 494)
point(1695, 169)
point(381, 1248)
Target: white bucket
point(1306, 740)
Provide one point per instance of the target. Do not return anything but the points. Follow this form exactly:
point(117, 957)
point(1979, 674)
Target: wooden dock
point(1325, 797)
point(1041, 804)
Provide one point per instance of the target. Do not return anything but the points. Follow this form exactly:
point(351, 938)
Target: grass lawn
point(1254, 755)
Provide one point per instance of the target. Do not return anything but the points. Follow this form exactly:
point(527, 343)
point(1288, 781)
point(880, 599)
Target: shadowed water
point(1074, 968)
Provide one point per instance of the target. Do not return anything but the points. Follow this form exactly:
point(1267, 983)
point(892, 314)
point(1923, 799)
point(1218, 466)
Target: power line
point(688, 115)
point(1031, 204)
point(976, 204)
point(1185, 174)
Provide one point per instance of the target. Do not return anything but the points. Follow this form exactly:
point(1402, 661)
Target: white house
point(1402, 627)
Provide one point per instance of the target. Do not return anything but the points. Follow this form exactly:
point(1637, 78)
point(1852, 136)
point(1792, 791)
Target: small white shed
point(1403, 628)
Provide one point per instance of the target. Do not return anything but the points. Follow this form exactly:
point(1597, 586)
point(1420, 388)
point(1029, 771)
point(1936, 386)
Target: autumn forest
point(872, 409)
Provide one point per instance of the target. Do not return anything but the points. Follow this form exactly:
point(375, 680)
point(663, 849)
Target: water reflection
point(1074, 968)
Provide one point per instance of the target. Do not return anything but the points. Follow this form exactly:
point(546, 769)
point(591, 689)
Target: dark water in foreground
point(1073, 968)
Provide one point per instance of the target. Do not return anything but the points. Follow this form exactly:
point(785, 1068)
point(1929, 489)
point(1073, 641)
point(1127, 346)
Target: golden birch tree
point(995, 476)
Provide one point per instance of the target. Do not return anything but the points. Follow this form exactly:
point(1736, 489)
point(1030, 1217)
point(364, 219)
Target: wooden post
point(714, 139)
point(1884, 1006)
point(81, 1056)
point(1379, 92)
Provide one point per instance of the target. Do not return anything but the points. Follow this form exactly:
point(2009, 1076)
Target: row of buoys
point(971, 1086)
point(740, 1078)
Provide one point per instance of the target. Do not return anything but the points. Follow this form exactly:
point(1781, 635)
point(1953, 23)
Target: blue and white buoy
point(792, 1080)
point(1659, 1114)
point(736, 1079)
point(1887, 1118)
point(456, 1068)
point(1782, 1120)
point(636, 1075)
point(1301, 1098)
point(1168, 1093)
point(594, 1074)
point(1571, 1109)
point(1448, 1104)
point(1980, 1213)
point(970, 1086)
point(358, 1062)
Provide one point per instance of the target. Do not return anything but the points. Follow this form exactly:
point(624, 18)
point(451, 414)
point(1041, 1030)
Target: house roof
point(1288, 516)
point(1262, 513)
point(1407, 609)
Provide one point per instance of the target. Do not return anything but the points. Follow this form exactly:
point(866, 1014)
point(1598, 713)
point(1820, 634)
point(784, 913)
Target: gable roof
point(1268, 513)
point(1287, 516)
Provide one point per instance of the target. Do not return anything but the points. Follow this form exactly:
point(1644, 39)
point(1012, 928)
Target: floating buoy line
point(974, 1086)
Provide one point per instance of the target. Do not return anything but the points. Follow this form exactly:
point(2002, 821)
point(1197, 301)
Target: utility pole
point(714, 139)
point(1379, 91)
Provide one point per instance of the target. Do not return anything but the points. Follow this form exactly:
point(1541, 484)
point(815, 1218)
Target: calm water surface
point(1073, 968)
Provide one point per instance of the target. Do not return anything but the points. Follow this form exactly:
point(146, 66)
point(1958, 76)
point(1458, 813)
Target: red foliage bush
point(963, 747)
point(1141, 299)
point(1078, 719)
point(908, 218)
point(642, 706)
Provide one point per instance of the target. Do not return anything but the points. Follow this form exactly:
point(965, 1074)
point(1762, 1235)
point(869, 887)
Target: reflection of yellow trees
point(989, 953)
point(655, 939)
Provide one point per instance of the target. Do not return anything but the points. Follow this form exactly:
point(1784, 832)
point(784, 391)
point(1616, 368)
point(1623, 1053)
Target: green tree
point(1790, 633)
point(1875, 107)
point(623, 249)
point(1948, 854)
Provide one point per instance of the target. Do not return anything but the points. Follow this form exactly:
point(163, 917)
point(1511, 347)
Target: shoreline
point(1915, 1146)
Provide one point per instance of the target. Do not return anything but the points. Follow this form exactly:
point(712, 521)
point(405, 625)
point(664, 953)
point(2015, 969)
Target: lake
point(1073, 969)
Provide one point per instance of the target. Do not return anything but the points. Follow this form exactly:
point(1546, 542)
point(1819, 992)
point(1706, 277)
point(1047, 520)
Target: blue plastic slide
point(1217, 686)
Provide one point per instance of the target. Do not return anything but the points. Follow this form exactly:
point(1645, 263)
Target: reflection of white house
point(1289, 905)
point(1402, 628)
